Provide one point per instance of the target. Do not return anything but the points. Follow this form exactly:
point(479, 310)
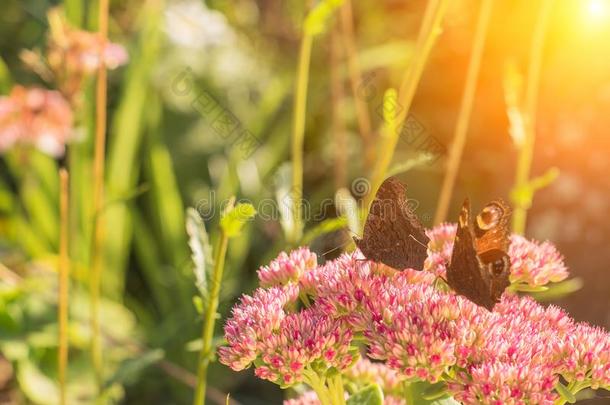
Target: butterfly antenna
point(337, 248)
point(415, 239)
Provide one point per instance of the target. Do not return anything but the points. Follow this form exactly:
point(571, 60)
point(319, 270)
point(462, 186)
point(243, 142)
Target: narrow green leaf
point(369, 395)
point(233, 220)
point(403, 167)
point(201, 249)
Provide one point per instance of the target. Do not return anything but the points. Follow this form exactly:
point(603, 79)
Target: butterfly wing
point(491, 229)
point(464, 273)
point(392, 233)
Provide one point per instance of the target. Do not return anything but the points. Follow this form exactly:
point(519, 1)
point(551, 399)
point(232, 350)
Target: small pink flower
point(34, 116)
point(287, 267)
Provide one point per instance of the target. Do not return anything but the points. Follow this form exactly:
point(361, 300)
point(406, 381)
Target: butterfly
point(480, 265)
point(392, 233)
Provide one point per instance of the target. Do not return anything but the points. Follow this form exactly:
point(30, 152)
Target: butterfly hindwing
point(480, 265)
point(392, 233)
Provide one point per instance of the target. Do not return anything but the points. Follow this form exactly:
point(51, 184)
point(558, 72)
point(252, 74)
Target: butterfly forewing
point(392, 233)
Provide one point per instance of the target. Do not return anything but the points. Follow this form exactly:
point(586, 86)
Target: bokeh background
point(166, 155)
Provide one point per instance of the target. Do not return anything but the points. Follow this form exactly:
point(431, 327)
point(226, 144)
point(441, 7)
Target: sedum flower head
point(35, 116)
point(535, 263)
point(287, 267)
point(307, 341)
point(253, 320)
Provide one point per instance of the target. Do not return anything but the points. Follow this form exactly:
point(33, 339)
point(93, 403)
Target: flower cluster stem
point(98, 201)
point(209, 322)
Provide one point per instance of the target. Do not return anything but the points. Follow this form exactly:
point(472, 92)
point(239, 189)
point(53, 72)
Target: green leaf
point(369, 395)
point(39, 388)
point(565, 393)
point(316, 20)
point(130, 369)
point(234, 219)
point(324, 227)
point(528, 288)
point(201, 249)
point(559, 290)
point(435, 391)
point(424, 393)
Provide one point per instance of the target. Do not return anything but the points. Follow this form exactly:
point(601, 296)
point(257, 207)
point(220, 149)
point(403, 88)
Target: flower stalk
point(64, 280)
point(209, 322)
point(98, 200)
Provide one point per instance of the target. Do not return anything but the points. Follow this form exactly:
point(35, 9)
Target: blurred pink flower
point(440, 248)
point(366, 372)
point(34, 116)
point(287, 267)
point(77, 51)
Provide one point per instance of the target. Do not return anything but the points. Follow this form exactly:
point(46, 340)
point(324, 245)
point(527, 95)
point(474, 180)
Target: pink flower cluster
point(38, 117)
point(532, 263)
point(414, 329)
point(287, 267)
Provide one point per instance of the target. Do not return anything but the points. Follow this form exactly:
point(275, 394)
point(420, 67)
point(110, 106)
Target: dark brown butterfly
point(480, 265)
point(392, 233)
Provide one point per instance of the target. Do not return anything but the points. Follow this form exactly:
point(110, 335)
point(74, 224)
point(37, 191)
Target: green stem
point(408, 395)
point(526, 152)
point(338, 389)
point(210, 319)
point(317, 384)
point(298, 135)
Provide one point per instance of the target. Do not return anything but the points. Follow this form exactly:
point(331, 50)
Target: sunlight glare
point(597, 9)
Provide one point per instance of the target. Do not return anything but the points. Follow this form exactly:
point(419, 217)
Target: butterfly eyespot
point(497, 267)
point(490, 216)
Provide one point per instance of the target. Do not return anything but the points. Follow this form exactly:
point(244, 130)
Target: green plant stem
point(98, 201)
point(526, 152)
point(210, 319)
point(298, 135)
point(463, 121)
point(317, 384)
point(575, 387)
point(64, 272)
